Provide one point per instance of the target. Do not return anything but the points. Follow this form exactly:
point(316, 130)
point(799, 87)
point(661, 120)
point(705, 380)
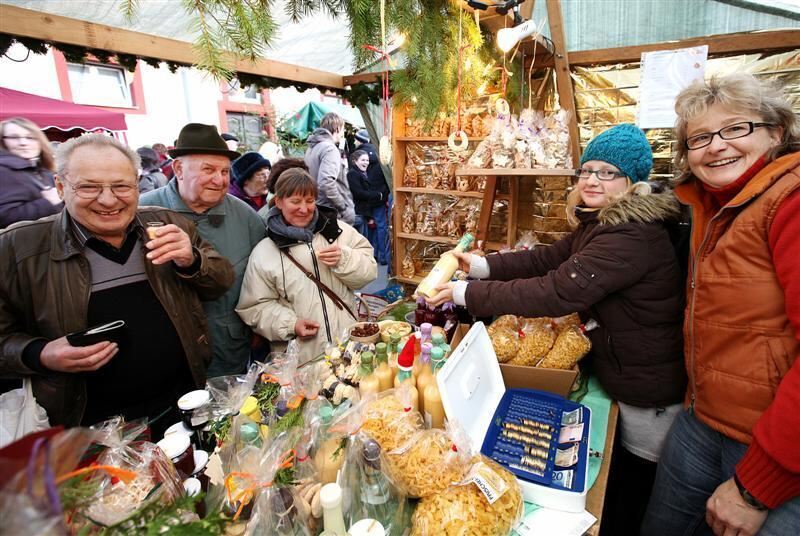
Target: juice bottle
point(329, 457)
point(405, 375)
point(425, 376)
point(444, 269)
point(416, 337)
point(434, 410)
point(393, 351)
point(368, 382)
point(382, 371)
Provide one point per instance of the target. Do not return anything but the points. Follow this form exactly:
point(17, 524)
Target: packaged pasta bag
point(537, 336)
point(505, 343)
point(368, 491)
point(390, 417)
point(503, 322)
point(429, 461)
point(486, 502)
point(142, 474)
point(570, 346)
point(567, 321)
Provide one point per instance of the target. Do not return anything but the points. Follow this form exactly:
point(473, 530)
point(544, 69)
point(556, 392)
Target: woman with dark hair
point(300, 280)
point(27, 188)
point(366, 199)
point(249, 175)
point(731, 463)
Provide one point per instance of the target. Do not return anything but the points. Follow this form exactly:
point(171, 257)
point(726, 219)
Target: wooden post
point(566, 96)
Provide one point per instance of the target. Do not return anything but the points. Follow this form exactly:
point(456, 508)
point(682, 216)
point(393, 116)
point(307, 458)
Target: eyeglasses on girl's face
point(601, 174)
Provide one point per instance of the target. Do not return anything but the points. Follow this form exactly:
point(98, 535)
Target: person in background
point(249, 173)
point(231, 141)
point(731, 463)
point(271, 151)
point(279, 298)
point(91, 264)
point(326, 166)
point(199, 192)
point(366, 200)
point(164, 161)
point(620, 268)
point(378, 232)
point(150, 176)
point(27, 190)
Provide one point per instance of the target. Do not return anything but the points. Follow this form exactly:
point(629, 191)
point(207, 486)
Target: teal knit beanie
point(624, 146)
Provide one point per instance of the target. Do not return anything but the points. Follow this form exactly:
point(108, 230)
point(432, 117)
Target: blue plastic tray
point(545, 408)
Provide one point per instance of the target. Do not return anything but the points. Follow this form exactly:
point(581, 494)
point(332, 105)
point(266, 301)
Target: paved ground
point(380, 282)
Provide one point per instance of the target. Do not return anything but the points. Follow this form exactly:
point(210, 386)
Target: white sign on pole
point(664, 74)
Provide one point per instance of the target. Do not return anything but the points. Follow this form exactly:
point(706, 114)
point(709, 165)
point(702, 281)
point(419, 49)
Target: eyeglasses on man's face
point(601, 174)
point(731, 132)
point(93, 190)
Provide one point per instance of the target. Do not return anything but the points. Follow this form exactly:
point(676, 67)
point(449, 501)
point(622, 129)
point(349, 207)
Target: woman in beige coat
point(305, 245)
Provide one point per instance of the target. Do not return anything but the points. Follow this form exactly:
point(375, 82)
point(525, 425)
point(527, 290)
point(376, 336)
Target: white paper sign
point(555, 523)
point(663, 75)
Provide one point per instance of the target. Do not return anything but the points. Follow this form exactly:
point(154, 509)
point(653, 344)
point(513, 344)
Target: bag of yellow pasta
point(487, 502)
point(429, 461)
point(505, 343)
point(536, 339)
point(390, 418)
point(569, 348)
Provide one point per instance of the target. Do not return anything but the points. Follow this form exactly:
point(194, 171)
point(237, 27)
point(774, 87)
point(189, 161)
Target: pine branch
point(129, 8)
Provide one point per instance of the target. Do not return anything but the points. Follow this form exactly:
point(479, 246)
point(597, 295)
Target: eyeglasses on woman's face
point(731, 132)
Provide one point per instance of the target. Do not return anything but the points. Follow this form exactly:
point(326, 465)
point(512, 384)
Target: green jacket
point(234, 229)
point(45, 290)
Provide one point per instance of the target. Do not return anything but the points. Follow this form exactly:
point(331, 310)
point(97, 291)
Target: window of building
point(99, 85)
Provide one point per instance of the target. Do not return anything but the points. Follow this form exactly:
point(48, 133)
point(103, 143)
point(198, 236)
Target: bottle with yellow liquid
point(425, 375)
point(368, 382)
point(405, 375)
point(393, 351)
point(444, 269)
point(434, 410)
point(329, 457)
point(382, 370)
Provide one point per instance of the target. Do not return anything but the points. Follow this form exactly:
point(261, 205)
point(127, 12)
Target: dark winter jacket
point(618, 267)
point(21, 185)
point(377, 181)
point(237, 191)
point(46, 290)
point(364, 196)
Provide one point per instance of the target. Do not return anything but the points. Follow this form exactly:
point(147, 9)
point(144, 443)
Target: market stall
point(406, 423)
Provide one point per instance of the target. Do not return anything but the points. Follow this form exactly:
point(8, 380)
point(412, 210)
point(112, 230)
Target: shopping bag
point(20, 414)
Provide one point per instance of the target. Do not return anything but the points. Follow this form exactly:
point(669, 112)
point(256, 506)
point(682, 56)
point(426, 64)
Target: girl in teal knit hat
point(618, 267)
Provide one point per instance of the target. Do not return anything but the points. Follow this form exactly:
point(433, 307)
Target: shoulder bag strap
point(322, 286)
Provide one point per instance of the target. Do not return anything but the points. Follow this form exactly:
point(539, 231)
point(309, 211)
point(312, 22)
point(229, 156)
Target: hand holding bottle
point(444, 293)
point(464, 259)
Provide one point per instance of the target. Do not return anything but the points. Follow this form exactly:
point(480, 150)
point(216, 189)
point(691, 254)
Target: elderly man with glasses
point(199, 192)
point(92, 264)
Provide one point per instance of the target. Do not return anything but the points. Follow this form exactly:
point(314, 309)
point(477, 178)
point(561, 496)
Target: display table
point(596, 498)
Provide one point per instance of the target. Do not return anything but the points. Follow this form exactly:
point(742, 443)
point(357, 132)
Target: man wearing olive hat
point(199, 191)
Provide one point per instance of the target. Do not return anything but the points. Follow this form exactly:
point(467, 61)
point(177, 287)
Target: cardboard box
point(556, 381)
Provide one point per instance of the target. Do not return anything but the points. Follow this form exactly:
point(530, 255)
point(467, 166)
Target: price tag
point(488, 481)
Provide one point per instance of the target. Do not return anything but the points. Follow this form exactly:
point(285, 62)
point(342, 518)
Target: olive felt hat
point(196, 138)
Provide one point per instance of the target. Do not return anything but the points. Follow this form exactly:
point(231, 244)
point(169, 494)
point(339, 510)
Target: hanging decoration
point(384, 146)
point(462, 136)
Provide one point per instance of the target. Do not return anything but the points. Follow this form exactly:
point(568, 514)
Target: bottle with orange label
point(434, 410)
point(382, 370)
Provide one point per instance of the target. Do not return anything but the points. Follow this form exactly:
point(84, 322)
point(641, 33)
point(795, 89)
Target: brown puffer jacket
point(44, 294)
point(618, 267)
